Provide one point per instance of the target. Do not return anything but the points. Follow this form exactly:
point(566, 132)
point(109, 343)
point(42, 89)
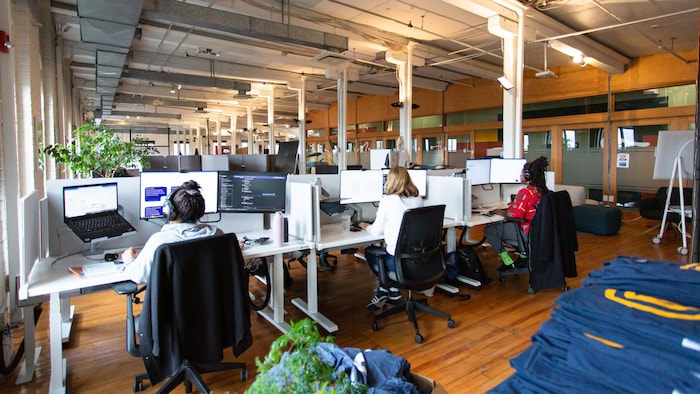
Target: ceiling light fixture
point(332, 58)
point(580, 60)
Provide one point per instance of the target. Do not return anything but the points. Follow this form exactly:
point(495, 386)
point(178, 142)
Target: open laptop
point(91, 211)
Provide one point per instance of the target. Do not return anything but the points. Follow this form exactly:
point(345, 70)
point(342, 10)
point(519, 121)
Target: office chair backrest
point(196, 304)
point(419, 257)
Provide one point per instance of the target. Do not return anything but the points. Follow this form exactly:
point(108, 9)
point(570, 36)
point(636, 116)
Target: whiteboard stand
point(677, 171)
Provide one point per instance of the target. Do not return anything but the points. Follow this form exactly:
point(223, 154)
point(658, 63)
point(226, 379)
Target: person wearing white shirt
point(401, 194)
point(183, 208)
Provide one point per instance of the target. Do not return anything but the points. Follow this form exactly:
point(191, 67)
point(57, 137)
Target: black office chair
point(419, 263)
point(549, 246)
point(653, 207)
point(196, 305)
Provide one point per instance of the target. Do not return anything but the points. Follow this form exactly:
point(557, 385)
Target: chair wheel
point(656, 240)
point(138, 385)
point(375, 326)
point(451, 323)
point(418, 338)
point(244, 375)
point(530, 290)
point(565, 288)
point(502, 279)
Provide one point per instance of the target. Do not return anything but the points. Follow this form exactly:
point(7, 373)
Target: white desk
point(333, 237)
point(51, 277)
point(274, 312)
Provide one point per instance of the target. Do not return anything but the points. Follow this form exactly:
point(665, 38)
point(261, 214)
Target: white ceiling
point(127, 55)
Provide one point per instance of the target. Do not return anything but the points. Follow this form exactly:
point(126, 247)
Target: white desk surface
point(50, 275)
point(478, 219)
point(334, 237)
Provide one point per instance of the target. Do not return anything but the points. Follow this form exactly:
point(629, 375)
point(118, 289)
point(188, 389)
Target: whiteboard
point(669, 146)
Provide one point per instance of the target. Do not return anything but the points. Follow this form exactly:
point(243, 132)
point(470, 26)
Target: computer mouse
point(355, 228)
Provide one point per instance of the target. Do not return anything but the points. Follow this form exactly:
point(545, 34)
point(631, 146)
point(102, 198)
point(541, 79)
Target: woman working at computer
point(401, 194)
point(524, 207)
point(183, 208)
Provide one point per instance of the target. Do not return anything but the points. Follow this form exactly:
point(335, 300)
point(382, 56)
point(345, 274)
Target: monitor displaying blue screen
point(506, 170)
point(479, 171)
point(252, 192)
point(157, 185)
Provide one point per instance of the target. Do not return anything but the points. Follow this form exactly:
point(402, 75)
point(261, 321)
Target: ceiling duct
point(111, 25)
point(243, 95)
point(332, 58)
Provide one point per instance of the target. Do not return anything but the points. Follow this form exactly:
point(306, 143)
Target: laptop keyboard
point(110, 225)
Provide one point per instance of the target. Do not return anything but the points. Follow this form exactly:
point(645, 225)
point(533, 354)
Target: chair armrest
point(126, 287)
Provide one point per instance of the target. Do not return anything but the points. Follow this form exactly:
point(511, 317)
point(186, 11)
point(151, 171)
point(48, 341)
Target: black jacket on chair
point(196, 305)
point(552, 242)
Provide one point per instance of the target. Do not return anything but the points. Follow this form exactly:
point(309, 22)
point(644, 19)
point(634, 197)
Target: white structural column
point(342, 115)
point(232, 131)
point(219, 148)
point(271, 121)
point(506, 20)
point(301, 115)
point(251, 136)
point(513, 51)
point(404, 73)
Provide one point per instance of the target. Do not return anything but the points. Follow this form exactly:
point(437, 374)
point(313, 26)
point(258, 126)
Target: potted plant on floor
point(294, 366)
point(96, 150)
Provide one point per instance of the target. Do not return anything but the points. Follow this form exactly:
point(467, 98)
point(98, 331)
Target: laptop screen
point(84, 200)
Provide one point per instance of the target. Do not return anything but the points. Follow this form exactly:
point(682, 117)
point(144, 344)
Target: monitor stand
point(94, 250)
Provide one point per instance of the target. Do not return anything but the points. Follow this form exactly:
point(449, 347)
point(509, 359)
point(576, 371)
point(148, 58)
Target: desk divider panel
point(454, 192)
point(301, 202)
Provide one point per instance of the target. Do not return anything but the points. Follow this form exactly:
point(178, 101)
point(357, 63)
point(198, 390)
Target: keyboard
point(110, 224)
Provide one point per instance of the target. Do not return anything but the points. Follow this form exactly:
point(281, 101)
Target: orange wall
point(573, 81)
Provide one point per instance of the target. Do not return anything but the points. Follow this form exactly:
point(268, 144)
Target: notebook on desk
point(91, 211)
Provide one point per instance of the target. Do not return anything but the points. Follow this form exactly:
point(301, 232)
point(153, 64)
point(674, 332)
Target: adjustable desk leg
point(311, 309)
point(67, 311)
point(58, 363)
point(451, 246)
point(31, 354)
point(274, 313)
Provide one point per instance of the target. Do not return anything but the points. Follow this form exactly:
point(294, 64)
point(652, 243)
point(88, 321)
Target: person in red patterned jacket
point(524, 207)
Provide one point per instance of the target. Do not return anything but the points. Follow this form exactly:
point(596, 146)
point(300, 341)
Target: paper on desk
point(96, 269)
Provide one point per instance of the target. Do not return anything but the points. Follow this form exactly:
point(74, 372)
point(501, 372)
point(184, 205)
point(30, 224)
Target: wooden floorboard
point(491, 328)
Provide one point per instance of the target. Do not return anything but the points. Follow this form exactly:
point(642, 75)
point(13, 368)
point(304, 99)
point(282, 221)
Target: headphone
point(169, 210)
point(526, 172)
point(169, 207)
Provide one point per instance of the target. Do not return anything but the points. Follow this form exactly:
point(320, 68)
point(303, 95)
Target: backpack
point(468, 263)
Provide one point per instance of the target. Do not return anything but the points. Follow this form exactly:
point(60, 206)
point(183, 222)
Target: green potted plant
point(97, 150)
point(293, 366)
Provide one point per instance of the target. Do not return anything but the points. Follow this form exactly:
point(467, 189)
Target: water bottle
point(278, 229)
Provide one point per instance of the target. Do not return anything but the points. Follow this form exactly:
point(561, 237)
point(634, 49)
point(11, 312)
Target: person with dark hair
point(183, 207)
point(401, 194)
point(524, 207)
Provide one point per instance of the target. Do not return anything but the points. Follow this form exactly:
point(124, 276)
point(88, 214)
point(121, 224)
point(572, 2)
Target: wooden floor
point(492, 327)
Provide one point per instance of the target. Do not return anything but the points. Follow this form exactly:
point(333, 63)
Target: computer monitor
point(156, 186)
point(252, 192)
point(478, 171)
point(358, 186)
point(506, 170)
point(418, 177)
point(286, 159)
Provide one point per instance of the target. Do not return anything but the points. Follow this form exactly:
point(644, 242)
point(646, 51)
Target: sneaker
point(394, 294)
point(427, 292)
point(379, 299)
